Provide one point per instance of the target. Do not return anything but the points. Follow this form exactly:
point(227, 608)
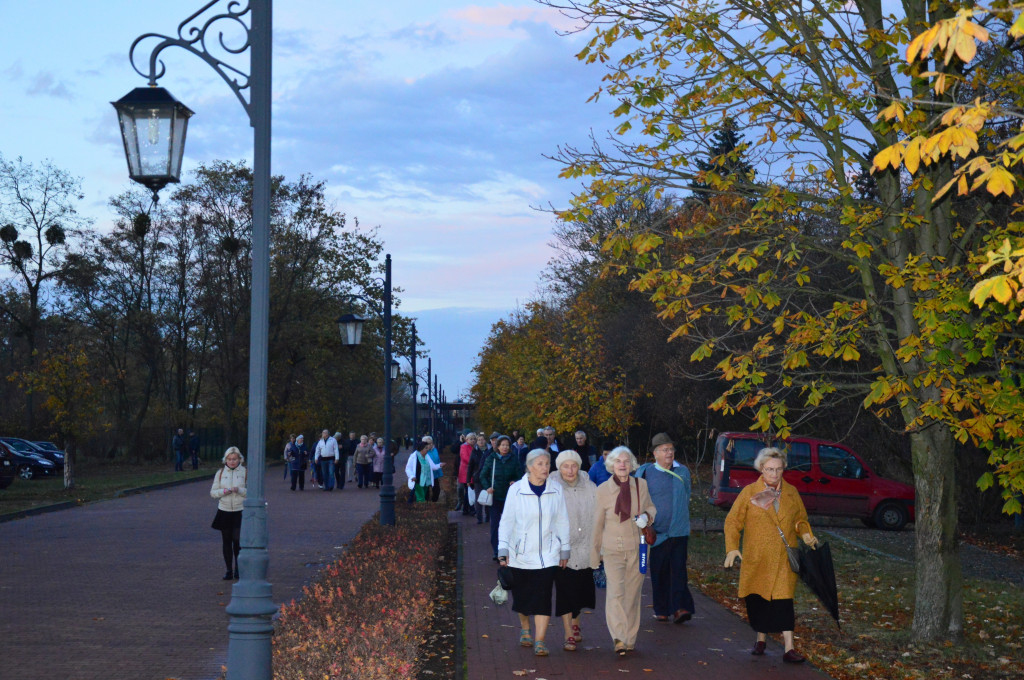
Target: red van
point(831, 478)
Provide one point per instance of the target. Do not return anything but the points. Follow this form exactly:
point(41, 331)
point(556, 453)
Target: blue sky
point(428, 120)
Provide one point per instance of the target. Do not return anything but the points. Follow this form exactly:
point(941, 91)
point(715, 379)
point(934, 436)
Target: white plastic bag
point(471, 496)
point(499, 595)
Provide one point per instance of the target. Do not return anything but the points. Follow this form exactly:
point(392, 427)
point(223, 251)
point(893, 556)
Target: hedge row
point(367, 613)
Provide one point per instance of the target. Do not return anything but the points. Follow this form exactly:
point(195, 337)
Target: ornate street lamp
point(153, 128)
point(154, 137)
point(351, 328)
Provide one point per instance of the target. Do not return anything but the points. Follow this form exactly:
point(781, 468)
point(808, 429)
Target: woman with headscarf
point(229, 490)
point(624, 508)
point(420, 471)
point(533, 539)
point(574, 585)
point(769, 514)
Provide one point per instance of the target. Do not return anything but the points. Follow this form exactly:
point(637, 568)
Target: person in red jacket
point(465, 453)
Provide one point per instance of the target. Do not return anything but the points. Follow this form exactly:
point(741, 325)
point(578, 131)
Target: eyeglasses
point(772, 469)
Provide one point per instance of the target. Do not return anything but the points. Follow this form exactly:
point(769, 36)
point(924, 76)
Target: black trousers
point(231, 545)
point(668, 576)
point(300, 477)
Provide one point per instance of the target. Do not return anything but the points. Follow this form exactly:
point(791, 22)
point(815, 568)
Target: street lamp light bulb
point(154, 127)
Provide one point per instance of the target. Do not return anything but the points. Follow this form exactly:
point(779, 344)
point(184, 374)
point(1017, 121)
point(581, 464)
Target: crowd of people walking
point(564, 519)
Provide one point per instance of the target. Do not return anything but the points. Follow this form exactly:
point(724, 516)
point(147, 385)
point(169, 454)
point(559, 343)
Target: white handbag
point(485, 498)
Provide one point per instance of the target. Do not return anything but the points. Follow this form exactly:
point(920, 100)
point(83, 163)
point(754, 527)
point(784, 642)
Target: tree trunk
point(69, 463)
point(938, 611)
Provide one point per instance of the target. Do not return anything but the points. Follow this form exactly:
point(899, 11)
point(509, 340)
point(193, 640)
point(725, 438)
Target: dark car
point(29, 465)
point(7, 468)
point(50, 451)
point(831, 478)
point(55, 456)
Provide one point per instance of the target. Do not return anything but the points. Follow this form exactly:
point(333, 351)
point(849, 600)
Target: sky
point(429, 121)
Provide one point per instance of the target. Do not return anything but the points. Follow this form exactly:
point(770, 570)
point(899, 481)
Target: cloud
point(45, 84)
point(511, 17)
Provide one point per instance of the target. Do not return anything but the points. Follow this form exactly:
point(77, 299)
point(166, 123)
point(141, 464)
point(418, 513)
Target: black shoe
point(236, 573)
point(227, 575)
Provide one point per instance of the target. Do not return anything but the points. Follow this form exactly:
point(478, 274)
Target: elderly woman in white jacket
point(533, 539)
point(229, 490)
point(574, 585)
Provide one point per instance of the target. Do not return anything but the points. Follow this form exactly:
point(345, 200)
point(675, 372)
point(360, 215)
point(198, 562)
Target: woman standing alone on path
point(229, 490)
point(533, 539)
point(624, 507)
point(574, 585)
point(769, 514)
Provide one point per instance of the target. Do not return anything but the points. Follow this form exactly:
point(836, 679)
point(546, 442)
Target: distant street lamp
point(351, 328)
point(153, 125)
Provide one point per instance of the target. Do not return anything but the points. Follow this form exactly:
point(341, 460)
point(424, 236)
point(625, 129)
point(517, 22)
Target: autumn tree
point(977, 130)
point(71, 395)
point(815, 86)
point(38, 221)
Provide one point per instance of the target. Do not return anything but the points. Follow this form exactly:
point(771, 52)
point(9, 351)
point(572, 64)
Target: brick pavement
point(131, 588)
point(714, 645)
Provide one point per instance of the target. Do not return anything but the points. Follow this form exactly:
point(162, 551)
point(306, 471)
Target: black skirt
point(770, 616)
point(531, 594)
point(574, 591)
point(225, 520)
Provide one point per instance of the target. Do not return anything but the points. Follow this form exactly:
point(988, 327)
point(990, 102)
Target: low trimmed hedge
point(366, 615)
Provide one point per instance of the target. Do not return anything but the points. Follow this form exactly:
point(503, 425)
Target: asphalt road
point(131, 588)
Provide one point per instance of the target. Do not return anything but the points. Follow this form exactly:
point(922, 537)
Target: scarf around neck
point(623, 507)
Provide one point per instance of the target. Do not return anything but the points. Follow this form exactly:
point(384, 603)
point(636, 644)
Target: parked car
point(8, 469)
point(832, 479)
point(55, 456)
point(50, 451)
point(29, 465)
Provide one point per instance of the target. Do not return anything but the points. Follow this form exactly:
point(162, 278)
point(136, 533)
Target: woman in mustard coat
point(767, 582)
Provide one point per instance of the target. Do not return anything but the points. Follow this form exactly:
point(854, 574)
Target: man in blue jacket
point(669, 484)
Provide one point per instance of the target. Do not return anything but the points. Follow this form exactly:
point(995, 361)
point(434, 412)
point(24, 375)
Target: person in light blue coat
point(669, 485)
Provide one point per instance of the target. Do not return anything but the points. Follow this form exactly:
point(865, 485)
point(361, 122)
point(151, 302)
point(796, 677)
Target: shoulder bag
point(486, 498)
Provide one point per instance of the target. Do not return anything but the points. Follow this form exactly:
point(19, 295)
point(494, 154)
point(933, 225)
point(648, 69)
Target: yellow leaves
point(957, 36)
point(893, 110)
point(889, 156)
point(999, 181)
point(912, 155)
point(1017, 29)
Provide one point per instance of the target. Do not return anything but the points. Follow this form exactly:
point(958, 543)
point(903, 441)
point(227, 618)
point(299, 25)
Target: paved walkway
point(131, 588)
point(714, 645)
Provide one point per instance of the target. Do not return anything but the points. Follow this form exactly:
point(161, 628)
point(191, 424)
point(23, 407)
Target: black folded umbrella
point(818, 572)
point(505, 577)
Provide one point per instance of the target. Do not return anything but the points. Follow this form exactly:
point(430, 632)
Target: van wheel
point(890, 516)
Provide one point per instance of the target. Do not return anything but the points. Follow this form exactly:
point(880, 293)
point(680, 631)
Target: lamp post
point(351, 327)
point(153, 126)
point(412, 362)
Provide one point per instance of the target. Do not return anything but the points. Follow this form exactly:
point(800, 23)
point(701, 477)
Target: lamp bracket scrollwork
point(194, 35)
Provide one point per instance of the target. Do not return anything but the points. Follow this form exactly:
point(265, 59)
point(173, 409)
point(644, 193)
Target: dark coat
point(298, 456)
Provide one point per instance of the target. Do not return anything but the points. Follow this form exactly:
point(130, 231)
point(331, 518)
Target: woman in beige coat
point(574, 585)
point(229, 491)
point(767, 582)
point(624, 507)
